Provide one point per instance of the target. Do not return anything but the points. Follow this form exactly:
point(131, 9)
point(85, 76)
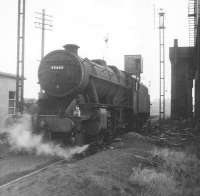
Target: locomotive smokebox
point(71, 48)
point(61, 72)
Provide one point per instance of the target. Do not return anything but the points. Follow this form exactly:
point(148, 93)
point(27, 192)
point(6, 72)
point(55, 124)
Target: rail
point(29, 174)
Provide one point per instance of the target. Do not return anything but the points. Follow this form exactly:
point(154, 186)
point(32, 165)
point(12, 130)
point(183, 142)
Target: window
point(11, 103)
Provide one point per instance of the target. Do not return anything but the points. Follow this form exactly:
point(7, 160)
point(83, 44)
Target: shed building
point(7, 94)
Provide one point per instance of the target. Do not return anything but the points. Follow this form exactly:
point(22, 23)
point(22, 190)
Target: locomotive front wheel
point(78, 139)
point(100, 139)
point(47, 135)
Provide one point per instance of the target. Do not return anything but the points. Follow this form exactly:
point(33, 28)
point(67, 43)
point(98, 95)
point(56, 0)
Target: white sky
point(128, 23)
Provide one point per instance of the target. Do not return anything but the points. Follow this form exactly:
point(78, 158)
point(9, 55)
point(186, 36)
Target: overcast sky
point(129, 24)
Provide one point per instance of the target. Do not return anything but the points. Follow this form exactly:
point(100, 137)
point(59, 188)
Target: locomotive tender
point(83, 100)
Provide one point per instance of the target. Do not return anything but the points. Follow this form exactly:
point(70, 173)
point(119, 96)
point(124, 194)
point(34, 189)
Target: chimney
point(71, 48)
point(175, 42)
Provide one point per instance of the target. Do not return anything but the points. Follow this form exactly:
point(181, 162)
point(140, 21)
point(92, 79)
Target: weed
point(184, 167)
point(153, 183)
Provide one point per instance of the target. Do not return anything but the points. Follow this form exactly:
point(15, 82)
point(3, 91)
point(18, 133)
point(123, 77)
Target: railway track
point(93, 149)
point(29, 174)
point(41, 168)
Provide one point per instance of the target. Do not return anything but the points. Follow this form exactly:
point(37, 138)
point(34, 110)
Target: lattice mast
point(20, 57)
point(162, 64)
point(192, 21)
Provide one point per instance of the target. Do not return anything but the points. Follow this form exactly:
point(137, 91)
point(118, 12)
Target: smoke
point(21, 138)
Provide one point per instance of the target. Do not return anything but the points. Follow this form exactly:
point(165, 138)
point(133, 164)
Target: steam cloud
point(21, 138)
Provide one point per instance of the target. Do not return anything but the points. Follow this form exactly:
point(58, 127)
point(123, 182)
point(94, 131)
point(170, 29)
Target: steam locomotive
point(84, 100)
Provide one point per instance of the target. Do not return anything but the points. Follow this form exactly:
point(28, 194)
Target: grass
point(153, 183)
point(174, 173)
point(177, 162)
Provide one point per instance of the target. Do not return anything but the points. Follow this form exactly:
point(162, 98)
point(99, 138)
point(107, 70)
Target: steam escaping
point(21, 138)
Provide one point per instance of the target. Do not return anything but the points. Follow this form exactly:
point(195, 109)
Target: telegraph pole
point(20, 57)
point(162, 64)
point(44, 22)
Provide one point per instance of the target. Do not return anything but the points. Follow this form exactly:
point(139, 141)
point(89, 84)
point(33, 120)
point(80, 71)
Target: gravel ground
point(105, 173)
